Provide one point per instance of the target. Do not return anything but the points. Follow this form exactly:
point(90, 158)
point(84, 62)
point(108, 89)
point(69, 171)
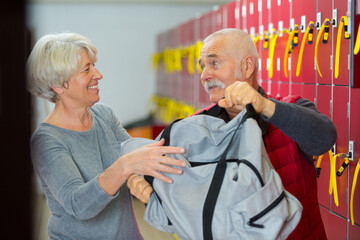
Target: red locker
point(325, 50)
point(274, 88)
point(263, 28)
point(264, 85)
point(232, 14)
point(354, 232)
point(296, 89)
point(323, 105)
point(355, 136)
point(309, 92)
point(188, 39)
point(303, 12)
point(284, 89)
point(252, 17)
point(344, 58)
point(284, 9)
point(205, 30)
point(335, 226)
point(340, 119)
point(219, 18)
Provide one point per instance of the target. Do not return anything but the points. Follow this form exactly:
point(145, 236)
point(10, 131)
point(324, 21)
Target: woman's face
point(82, 89)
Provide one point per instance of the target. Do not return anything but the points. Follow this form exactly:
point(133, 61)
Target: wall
point(125, 36)
point(337, 96)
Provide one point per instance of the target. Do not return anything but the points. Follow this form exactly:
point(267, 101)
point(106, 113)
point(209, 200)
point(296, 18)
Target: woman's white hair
point(53, 60)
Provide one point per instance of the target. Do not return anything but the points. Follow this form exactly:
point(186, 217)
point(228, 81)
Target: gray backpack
point(229, 189)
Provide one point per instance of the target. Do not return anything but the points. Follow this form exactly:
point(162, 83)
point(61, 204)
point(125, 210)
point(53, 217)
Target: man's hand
point(239, 94)
point(139, 187)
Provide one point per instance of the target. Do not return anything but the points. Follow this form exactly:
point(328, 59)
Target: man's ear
point(249, 66)
point(58, 90)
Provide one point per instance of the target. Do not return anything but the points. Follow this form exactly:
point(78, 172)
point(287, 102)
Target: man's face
point(219, 68)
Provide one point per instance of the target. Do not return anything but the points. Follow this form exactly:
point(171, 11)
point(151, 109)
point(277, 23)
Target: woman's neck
point(70, 117)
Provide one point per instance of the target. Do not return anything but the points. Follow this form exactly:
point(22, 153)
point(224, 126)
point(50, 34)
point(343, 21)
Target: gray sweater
point(68, 164)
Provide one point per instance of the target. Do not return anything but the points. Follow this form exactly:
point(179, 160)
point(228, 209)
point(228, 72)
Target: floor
point(41, 215)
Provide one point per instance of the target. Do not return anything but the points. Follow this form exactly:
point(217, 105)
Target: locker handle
point(310, 26)
point(357, 44)
point(289, 49)
point(353, 191)
point(273, 40)
point(343, 22)
point(323, 26)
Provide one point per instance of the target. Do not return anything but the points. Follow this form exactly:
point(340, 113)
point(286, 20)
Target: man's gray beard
point(213, 83)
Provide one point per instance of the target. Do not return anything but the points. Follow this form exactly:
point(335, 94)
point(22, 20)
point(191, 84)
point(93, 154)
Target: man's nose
point(206, 74)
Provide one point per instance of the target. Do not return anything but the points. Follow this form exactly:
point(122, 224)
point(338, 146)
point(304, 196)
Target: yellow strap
point(333, 188)
point(198, 47)
point(273, 39)
point(191, 59)
point(256, 39)
point(357, 44)
point(177, 52)
point(287, 50)
point(353, 191)
point(302, 48)
point(343, 22)
point(266, 40)
point(317, 44)
point(343, 166)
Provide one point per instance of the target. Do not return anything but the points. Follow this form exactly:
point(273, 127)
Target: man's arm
point(314, 132)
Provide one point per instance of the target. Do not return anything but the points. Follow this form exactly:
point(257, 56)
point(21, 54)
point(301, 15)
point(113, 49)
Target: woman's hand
point(147, 160)
point(151, 160)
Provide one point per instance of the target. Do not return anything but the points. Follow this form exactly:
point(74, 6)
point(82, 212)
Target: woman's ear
point(58, 90)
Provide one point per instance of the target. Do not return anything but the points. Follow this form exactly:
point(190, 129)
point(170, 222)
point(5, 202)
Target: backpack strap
point(215, 186)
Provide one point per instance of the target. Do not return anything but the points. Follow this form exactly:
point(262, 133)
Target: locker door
point(284, 89)
point(325, 50)
point(264, 27)
point(354, 232)
point(282, 23)
point(296, 89)
point(205, 30)
point(231, 13)
point(343, 78)
point(355, 136)
point(302, 13)
point(335, 226)
point(189, 40)
point(323, 105)
point(309, 92)
point(340, 119)
point(218, 18)
point(252, 17)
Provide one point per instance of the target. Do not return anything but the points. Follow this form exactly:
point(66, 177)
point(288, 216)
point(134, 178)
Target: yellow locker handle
point(323, 26)
point(353, 191)
point(343, 22)
point(288, 50)
point(357, 43)
point(266, 40)
point(318, 164)
point(344, 165)
point(310, 26)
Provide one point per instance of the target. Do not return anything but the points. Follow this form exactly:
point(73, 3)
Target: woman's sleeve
point(61, 177)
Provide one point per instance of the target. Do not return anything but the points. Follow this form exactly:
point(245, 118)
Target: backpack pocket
point(265, 213)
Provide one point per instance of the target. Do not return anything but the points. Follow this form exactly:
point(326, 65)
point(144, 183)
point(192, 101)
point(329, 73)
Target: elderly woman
point(74, 149)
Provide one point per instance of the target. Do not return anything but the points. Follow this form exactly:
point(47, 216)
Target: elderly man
point(293, 129)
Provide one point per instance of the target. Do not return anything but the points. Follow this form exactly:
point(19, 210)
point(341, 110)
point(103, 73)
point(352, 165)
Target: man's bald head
point(238, 44)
